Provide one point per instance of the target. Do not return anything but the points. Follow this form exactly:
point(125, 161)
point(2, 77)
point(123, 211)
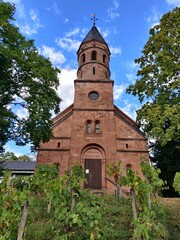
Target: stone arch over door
point(93, 161)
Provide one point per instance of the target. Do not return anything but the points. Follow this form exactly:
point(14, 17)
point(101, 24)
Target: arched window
point(128, 166)
point(89, 126)
point(93, 55)
point(97, 126)
point(83, 58)
point(104, 58)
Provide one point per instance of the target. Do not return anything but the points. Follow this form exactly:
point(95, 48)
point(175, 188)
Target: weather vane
point(93, 18)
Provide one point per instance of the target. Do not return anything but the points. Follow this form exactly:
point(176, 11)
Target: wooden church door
point(93, 172)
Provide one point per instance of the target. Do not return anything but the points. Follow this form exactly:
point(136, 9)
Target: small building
point(93, 131)
point(19, 168)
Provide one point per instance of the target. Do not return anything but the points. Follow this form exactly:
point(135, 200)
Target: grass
point(116, 219)
point(171, 214)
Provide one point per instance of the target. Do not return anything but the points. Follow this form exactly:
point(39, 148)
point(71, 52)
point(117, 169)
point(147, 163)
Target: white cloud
point(83, 32)
point(112, 11)
point(56, 57)
point(32, 27)
point(118, 91)
point(26, 27)
point(104, 32)
point(75, 31)
point(131, 77)
point(66, 20)
point(66, 88)
point(27, 30)
point(153, 19)
point(22, 113)
point(68, 44)
point(132, 70)
point(56, 8)
point(174, 2)
point(35, 18)
point(20, 10)
point(129, 109)
point(115, 50)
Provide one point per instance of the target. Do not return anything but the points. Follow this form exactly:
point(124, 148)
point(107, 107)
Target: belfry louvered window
point(93, 55)
point(104, 58)
point(83, 58)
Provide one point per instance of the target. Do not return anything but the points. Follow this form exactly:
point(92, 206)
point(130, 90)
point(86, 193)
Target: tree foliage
point(10, 156)
point(176, 183)
point(81, 222)
point(1, 168)
point(167, 159)
point(146, 225)
point(158, 88)
point(27, 82)
point(158, 80)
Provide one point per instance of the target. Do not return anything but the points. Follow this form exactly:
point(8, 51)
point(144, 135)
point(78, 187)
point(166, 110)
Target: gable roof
point(120, 114)
point(62, 115)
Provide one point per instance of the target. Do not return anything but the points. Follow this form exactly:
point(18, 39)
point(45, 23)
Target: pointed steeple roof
point(94, 34)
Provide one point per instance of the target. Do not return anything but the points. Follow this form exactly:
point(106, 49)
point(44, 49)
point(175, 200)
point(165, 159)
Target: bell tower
point(93, 119)
point(93, 87)
point(93, 57)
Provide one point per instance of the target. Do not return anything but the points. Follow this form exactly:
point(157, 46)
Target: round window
point(93, 95)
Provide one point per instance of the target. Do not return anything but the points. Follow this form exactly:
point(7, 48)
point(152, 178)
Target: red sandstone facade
point(93, 131)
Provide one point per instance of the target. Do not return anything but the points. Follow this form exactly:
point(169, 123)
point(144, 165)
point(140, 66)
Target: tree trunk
point(149, 201)
point(118, 190)
point(134, 204)
point(49, 207)
point(73, 203)
point(23, 221)
point(9, 180)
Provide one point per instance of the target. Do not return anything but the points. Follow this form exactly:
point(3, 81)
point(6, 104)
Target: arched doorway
point(93, 159)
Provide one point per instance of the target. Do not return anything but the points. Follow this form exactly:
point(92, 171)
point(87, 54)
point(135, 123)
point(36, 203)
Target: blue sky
point(58, 27)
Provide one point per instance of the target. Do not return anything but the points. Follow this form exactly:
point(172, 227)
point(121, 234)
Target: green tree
point(167, 159)
point(176, 183)
point(27, 81)
point(157, 88)
point(1, 168)
point(146, 224)
point(10, 156)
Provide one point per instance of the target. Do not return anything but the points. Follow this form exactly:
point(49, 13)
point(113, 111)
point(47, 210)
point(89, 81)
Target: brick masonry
point(90, 130)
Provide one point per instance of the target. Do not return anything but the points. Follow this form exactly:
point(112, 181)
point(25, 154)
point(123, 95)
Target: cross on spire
point(93, 18)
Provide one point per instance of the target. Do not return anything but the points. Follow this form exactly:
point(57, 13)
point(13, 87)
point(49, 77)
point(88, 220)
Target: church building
point(93, 131)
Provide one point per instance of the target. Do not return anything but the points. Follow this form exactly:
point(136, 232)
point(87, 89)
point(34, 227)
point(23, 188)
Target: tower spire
point(94, 19)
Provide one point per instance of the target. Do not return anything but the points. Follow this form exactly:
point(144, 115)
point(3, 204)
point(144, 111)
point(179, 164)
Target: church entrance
point(93, 173)
point(92, 158)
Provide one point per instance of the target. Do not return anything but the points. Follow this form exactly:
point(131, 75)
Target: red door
point(93, 172)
